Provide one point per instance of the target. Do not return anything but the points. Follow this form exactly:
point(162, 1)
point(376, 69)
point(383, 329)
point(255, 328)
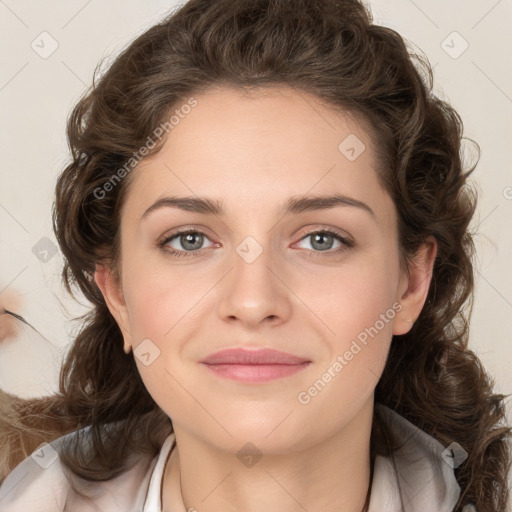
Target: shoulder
point(36, 483)
point(419, 475)
point(40, 483)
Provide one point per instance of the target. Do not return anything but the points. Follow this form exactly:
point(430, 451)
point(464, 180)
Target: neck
point(332, 475)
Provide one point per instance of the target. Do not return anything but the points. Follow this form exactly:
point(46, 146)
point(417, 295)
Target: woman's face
point(256, 275)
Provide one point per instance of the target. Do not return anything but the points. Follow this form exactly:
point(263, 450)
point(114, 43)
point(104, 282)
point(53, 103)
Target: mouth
point(256, 366)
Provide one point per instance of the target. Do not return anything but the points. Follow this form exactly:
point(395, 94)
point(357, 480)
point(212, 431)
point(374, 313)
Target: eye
point(190, 240)
point(321, 241)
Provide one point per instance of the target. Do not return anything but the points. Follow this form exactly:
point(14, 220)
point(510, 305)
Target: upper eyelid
point(166, 238)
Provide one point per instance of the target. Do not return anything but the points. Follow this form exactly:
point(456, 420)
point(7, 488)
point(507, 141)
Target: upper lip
point(253, 357)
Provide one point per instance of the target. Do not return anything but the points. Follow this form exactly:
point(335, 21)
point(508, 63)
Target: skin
point(252, 151)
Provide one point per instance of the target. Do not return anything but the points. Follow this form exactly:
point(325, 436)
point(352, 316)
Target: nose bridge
point(253, 291)
point(252, 273)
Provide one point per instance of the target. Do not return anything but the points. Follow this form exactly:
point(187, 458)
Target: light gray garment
point(419, 480)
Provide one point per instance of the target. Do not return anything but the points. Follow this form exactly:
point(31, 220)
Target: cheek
point(157, 308)
point(359, 313)
point(352, 297)
point(158, 298)
point(357, 306)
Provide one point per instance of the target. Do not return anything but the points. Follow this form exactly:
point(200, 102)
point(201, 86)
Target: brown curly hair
point(331, 49)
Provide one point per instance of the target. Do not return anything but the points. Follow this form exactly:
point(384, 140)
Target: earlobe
point(418, 284)
point(111, 289)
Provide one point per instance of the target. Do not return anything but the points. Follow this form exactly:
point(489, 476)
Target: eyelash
point(346, 243)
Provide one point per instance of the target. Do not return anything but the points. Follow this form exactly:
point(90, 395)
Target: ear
point(110, 285)
point(413, 289)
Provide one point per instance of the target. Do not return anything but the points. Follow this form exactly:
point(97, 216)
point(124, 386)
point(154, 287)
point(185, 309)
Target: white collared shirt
point(420, 479)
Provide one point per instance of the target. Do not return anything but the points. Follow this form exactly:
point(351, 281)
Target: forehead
point(260, 145)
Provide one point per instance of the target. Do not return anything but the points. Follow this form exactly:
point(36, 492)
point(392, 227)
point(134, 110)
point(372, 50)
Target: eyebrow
point(294, 204)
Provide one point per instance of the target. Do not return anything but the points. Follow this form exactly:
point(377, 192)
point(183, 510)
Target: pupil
point(318, 237)
point(189, 237)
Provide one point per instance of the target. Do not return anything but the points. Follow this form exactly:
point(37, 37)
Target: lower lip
point(255, 372)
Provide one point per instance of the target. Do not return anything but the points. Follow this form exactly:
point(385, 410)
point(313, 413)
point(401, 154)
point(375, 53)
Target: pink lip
point(260, 365)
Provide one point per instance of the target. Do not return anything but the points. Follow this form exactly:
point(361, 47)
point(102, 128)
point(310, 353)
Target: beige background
point(36, 95)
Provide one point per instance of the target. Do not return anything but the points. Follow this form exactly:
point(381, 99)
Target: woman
point(267, 209)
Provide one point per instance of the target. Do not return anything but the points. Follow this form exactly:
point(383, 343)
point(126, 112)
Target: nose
point(254, 291)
